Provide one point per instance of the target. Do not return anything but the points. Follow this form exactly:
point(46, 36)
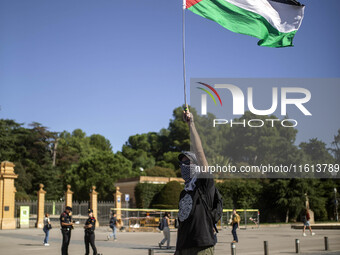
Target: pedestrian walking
point(165, 227)
point(235, 223)
point(197, 201)
point(113, 226)
point(306, 223)
point(89, 237)
point(46, 229)
point(66, 225)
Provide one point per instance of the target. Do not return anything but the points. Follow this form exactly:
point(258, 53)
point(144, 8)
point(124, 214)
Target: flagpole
point(183, 50)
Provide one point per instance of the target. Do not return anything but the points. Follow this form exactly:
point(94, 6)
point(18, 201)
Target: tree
point(9, 138)
point(240, 193)
point(179, 132)
point(139, 157)
point(316, 151)
point(289, 198)
point(160, 171)
point(265, 145)
point(101, 169)
point(100, 142)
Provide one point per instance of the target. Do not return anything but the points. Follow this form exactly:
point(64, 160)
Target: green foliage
point(286, 198)
point(101, 169)
point(160, 171)
point(168, 197)
point(100, 142)
point(145, 193)
point(240, 193)
point(316, 152)
point(179, 132)
point(263, 145)
point(20, 196)
point(10, 137)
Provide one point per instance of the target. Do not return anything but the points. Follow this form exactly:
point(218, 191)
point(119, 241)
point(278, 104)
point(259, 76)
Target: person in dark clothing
point(66, 225)
point(113, 226)
point(166, 231)
point(89, 237)
point(196, 230)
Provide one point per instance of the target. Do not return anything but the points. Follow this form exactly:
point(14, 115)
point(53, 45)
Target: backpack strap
point(206, 207)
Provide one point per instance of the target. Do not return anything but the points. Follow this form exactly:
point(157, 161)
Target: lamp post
point(336, 205)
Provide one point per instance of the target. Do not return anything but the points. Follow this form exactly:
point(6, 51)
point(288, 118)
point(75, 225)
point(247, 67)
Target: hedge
point(145, 193)
point(168, 197)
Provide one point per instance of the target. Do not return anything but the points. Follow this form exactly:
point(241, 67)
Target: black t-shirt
point(113, 220)
point(195, 227)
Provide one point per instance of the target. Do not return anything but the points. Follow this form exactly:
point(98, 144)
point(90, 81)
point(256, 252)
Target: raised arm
point(195, 139)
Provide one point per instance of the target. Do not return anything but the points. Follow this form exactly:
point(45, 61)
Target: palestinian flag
point(274, 22)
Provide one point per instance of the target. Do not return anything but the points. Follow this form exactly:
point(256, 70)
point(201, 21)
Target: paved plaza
point(281, 241)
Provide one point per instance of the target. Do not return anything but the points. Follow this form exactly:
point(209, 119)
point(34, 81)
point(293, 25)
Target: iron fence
point(148, 219)
point(104, 209)
point(132, 218)
point(55, 208)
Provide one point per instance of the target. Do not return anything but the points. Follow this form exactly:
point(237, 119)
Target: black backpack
point(214, 213)
point(176, 223)
point(161, 224)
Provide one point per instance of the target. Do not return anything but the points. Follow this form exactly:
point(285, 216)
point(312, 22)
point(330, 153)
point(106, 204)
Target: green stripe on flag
point(242, 21)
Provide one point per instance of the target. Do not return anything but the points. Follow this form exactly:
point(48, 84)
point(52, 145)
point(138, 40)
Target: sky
point(115, 67)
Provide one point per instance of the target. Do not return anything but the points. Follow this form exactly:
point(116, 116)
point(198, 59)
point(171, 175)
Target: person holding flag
point(195, 234)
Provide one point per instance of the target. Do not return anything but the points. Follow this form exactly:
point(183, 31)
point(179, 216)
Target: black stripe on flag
point(291, 2)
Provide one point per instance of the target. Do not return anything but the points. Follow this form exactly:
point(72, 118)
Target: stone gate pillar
point(7, 195)
point(68, 196)
point(94, 203)
point(41, 207)
point(118, 202)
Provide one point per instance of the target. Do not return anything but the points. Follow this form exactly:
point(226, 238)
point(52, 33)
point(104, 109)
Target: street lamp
point(336, 205)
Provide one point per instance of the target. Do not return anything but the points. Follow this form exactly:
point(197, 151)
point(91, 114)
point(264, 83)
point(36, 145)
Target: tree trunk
point(55, 152)
point(287, 216)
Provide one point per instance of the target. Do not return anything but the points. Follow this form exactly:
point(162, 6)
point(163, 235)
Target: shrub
point(168, 197)
point(160, 171)
point(19, 196)
point(145, 193)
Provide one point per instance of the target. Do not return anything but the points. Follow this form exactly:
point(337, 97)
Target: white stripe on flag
point(284, 17)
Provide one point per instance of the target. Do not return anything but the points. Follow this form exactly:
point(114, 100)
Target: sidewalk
point(280, 240)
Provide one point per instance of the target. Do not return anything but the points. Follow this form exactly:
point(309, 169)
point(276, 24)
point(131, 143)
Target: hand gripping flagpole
point(183, 50)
